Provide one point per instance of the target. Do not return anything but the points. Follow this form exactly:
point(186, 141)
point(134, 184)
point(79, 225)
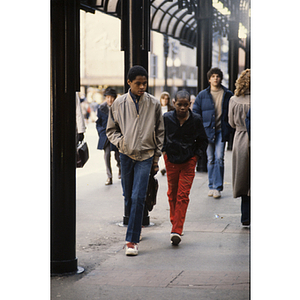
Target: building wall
point(102, 61)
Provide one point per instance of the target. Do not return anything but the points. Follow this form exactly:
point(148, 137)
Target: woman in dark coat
point(103, 143)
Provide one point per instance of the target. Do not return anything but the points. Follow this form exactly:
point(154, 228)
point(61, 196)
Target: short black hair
point(214, 71)
point(136, 71)
point(183, 94)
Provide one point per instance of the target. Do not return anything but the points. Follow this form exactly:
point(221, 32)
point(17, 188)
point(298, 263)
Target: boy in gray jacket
point(135, 126)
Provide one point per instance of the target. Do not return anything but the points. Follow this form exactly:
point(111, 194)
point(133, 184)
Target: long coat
point(237, 112)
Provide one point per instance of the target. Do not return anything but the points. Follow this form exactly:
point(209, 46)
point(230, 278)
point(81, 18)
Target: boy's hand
point(155, 167)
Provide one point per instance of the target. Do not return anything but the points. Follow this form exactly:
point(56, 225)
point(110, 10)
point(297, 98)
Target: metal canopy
point(169, 18)
point(177, 19)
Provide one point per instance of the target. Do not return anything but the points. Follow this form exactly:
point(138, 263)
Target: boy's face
point(215, 80)
point(182, 107)
point(109, 100)
point(138, 86)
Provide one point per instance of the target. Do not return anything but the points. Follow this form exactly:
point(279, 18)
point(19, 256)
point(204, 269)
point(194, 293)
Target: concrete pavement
point(211, 262)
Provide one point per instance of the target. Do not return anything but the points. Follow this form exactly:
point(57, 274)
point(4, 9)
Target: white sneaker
point(131, 249)
point(175, 239)
point(216, 194)
point(210, 193)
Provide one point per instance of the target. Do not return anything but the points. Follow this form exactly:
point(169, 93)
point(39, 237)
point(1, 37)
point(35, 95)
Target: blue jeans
point(215, 163)
point(135, 177)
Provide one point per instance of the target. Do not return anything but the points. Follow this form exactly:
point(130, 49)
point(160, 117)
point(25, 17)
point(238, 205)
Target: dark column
point(233, 38)
point(166, 53)
point(248, 52)
point(135, 42)
point(135, 34)
point(64, 72)
point(233, 53)
point(204, 55)
point(204, 42)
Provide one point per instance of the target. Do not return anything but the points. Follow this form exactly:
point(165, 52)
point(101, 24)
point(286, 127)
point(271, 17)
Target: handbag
point(150, 200)
point(82, 154)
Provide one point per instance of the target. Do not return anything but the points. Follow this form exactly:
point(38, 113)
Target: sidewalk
point(211, 262)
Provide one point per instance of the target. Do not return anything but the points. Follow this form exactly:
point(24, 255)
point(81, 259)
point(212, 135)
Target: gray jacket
point(137, 135)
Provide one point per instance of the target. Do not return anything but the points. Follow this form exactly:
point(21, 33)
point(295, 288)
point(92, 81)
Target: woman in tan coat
point(239, 106)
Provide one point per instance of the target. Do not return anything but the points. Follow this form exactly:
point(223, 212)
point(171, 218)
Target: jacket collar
point(134, 97)
point(175, 115)
point(222, 86)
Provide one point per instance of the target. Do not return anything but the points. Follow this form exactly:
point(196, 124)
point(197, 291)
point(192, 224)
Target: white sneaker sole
point(131, 251)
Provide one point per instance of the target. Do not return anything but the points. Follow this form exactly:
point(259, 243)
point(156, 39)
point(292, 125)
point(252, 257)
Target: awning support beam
point(135, 34)
point(64, 82)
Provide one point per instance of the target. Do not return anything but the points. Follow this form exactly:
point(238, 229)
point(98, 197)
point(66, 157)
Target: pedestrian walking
point(212, 105)
point(165, 102)
point(239, 106)
point(184, 141)
point(103, 143)
point(166, 105)
point(135, 126)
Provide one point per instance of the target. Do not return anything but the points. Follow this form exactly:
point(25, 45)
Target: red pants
point(180, 178)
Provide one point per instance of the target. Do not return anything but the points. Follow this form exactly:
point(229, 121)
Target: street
point(211, 262)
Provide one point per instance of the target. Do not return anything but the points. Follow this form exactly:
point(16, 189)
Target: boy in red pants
point(184, 140)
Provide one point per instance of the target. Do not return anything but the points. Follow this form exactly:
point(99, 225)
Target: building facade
point(102, 61)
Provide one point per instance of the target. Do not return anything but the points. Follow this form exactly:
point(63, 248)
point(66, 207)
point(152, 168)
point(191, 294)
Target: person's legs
point(245, 209)
point(141, 171)
point(186, 177)
point(210, 164)
point(173, 178)
point(127, 165)
point(107, 161)
point(219, 162)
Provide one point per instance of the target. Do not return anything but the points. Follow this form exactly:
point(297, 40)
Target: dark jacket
point(101, 124)
point(204, 106)
point(183, 142)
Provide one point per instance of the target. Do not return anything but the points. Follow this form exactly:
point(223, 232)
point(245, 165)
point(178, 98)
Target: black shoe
point(247, 223)
point(108, 181)
point(175, 239)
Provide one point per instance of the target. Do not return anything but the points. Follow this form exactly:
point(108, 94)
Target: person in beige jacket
point(135, 126)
